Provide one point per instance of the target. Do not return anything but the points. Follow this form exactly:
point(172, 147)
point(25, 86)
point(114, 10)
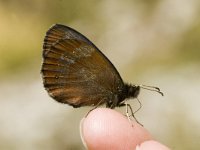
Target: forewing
point(75, 71)
point(58, 32)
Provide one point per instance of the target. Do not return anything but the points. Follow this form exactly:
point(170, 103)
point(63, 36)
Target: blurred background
point(154, 42)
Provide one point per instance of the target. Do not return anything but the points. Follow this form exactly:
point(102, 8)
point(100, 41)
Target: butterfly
point(77, 73)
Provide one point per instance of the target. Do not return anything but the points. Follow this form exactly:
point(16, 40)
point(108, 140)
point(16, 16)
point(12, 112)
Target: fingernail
point(81, 132)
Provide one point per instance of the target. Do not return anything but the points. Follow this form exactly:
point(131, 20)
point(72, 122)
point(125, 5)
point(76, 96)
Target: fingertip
point(108, 129)
point(81, 132)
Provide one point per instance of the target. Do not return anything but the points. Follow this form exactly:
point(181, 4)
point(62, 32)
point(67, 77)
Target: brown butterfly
point(76, 72)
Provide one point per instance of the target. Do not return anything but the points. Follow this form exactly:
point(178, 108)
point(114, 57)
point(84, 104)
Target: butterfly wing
point(74, 70)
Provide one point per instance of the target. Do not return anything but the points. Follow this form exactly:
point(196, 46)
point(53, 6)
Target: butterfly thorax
point(132, 91)
point(127, 91)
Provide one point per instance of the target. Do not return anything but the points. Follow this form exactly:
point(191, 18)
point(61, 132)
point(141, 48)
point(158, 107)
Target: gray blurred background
point(154, 42)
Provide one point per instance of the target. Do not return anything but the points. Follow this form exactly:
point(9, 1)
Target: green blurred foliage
point(23, 26)
point(188, 48)
point(24, 23)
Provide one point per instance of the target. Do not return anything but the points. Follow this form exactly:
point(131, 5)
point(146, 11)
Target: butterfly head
point(133, 91)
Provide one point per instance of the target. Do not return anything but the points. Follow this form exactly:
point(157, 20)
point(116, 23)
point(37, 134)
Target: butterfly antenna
point(152, 88)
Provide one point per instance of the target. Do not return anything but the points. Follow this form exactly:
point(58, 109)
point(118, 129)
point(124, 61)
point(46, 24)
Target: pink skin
point(107, 129)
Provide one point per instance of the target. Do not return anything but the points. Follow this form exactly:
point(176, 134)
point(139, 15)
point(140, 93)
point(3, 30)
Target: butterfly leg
point(128, 107)
point(112, 103)
point(98, 104)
